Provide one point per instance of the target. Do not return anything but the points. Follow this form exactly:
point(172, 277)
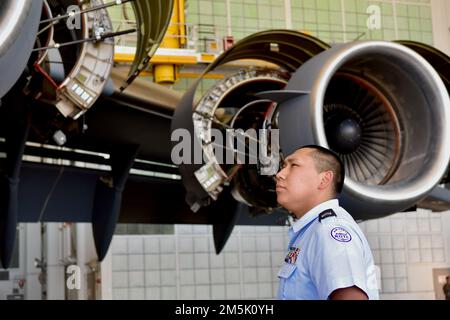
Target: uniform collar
point(314, 213)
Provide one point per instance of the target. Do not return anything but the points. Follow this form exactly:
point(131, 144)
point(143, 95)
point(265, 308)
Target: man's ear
point(326, 179)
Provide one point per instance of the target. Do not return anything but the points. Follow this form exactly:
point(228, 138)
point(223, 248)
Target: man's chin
point(280, 201)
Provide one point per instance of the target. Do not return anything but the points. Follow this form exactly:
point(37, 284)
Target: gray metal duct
point(19, 20)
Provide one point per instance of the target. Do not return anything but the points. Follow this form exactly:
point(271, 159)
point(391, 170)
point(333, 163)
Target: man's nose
point(280, 175)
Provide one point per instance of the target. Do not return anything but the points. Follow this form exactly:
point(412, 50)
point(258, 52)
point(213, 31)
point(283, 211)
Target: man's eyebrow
point(291, 160)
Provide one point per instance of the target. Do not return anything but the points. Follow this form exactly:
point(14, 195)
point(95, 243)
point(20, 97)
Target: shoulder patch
point(292, 255)
point(326, 214)
point(341, 235)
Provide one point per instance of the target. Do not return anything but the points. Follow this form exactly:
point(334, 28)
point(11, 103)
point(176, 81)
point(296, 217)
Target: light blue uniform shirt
point(325, 256)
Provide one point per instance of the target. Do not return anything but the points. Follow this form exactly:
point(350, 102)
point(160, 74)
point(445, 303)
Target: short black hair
point(329, 160)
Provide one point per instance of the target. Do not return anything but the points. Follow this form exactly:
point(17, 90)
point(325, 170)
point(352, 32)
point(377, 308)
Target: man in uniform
point(328, 255)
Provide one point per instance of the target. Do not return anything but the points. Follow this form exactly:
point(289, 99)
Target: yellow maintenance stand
point(175, 38)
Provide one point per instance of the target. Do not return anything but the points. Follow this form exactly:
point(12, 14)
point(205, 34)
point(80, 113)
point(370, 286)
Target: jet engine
point(384, 110)
point(379, 105)
point(68, 49)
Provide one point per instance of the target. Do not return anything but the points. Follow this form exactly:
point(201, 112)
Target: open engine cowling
point(236, 97)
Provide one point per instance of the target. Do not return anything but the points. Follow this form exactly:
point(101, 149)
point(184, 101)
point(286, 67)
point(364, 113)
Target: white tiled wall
point(185, 266)
point(406, 246)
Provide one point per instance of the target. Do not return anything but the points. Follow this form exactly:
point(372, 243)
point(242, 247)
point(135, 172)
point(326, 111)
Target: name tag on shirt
point(286, 270)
